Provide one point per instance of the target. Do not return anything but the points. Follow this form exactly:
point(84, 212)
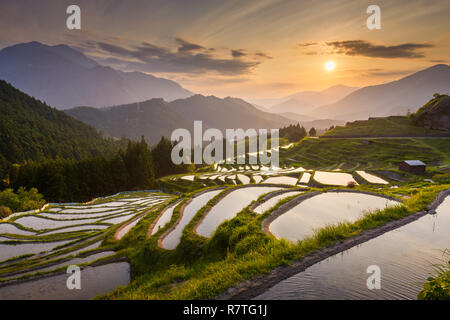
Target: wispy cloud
point(187, 57)
point(238, 53)
point(307, 44)
point(368, 49)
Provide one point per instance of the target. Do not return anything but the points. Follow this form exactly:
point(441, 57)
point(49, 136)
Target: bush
point(4, 212)
point(23, 200)
point(9, 199)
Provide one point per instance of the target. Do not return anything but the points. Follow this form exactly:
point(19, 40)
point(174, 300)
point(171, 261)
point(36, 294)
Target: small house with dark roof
point(413, 166)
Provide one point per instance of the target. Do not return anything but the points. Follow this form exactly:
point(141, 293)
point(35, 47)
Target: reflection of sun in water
point(330, 65)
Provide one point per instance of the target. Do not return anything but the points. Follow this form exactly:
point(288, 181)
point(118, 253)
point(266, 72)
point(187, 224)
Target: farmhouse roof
point(414, 163)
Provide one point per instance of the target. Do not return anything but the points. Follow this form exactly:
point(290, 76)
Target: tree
point(4, 212)
point(293, 133)
point(139, 164)
point(312, 132)
point(162, 159)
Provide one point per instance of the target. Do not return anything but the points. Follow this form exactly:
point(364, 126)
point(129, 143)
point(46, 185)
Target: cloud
point(378, 72)
point(263, 55)
point(238, 53)
point(383, 73)
point(365, 48)
point(188, 57)
point(307, 44)
point(185, 46)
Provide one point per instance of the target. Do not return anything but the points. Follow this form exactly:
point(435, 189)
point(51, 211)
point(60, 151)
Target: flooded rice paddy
point(229, 206)
point(405, 257)
point(322, 210)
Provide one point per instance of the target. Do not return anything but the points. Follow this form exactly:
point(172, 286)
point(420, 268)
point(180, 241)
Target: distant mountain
point(401, 96)
point(322, 123)
point(64, 77)
point(305, 101)
point(31, 130)
point(155, 118)
point(297, 117)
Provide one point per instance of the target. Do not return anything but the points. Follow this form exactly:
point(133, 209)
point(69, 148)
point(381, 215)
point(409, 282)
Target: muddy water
point(404, 256)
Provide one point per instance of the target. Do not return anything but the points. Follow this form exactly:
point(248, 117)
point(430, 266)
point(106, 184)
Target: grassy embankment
point(384, 127)
point(369, 153)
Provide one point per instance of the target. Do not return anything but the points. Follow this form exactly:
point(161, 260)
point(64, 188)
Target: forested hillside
point(67, 160)
point(31, 130)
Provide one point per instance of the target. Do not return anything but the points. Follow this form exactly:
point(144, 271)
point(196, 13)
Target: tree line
point(66, 180)
point(296, 132)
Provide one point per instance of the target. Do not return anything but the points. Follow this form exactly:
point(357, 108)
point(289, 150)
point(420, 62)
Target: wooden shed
point(413, 166)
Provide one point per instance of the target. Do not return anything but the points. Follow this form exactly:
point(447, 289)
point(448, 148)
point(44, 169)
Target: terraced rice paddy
point(282, 180)
point(96, 280)
point(322, 210)
point(371, 178)
point(229, 206)
point(45, 243)
point(334, 178)
point(257, 178)
point(163, 219)
point(58, 237)
point(305, 178)
point(266, 205)
point(172, 239)
point(243, 178)
point(405, 257)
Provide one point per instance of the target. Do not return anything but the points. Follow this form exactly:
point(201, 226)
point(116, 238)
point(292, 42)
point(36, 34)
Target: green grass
point(438, 287)
point(388, 126)
point(239, 250)
point(365, 153)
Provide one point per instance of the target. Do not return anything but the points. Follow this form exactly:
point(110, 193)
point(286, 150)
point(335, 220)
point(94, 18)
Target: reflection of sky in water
point(333, 178)
point(404, 255)
point(173, 238)
point(229, 206)
point(94, 281)
point(273, 201)
point(324, 209)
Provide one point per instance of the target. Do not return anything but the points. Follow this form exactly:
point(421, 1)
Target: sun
point(330, 65)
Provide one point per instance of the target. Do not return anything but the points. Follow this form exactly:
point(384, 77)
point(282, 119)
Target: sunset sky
point(248, 49)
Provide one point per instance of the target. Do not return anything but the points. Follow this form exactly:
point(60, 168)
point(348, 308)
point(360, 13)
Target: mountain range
point(305, 101)
point(155, 118)
point(64, 77)
point(393, 98)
